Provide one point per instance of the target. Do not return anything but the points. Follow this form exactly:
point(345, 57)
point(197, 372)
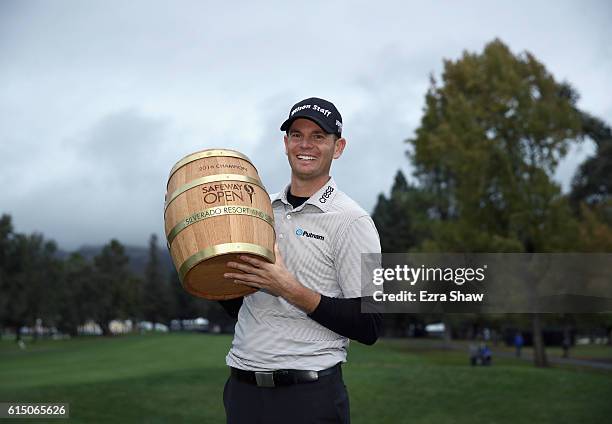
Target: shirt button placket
point(281, 236)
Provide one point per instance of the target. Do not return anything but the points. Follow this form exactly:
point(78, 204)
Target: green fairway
point(180, 377)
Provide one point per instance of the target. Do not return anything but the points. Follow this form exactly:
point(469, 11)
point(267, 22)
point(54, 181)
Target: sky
point(99, 99)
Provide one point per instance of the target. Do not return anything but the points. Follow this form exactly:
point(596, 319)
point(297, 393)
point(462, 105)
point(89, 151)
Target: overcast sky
point(98, 99)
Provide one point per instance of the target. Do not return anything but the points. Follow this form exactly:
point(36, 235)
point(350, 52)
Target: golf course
point(179, 377)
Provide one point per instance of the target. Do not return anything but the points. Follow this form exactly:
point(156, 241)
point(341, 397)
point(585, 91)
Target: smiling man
point(292, 335)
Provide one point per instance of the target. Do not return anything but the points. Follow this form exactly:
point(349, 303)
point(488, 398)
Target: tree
point(402, 223)
point(29, 272)
point(115, 290)
point(488, 144)
point(591, 192)
point(156, 299)
point(75, 295)
point(7, 267)
point(402, 219)
point(592, 183)
point(6, 236)
point(591, 199)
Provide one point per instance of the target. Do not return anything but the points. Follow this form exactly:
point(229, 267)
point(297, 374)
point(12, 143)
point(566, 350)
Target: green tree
point(29, 273)
point(187, 306)
point(490, 139)
point(591, 192)
point(75, 299)
point(402, 219)
point(402, 222)
point(115, 289)
point(591, 198)
point(592, 183)
point(156, 298)
point(6, 236)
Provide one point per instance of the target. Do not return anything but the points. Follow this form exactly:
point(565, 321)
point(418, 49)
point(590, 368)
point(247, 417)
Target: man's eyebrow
point(314, 132)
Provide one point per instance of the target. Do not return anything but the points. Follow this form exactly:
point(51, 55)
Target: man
point(292, 335)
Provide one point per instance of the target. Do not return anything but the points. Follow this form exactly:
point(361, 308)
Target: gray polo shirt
point(321, 242)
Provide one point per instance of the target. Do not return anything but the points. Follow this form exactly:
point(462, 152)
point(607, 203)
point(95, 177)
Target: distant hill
point(138, 257)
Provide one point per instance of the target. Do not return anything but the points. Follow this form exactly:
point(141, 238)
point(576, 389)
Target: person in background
point(518, 343)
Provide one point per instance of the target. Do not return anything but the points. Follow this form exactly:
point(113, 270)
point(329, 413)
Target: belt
point(281, 377)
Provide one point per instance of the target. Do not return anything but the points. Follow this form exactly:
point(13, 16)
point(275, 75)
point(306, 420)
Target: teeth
point(304, 157)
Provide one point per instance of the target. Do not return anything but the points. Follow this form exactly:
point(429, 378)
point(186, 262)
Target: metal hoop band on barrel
point(211, 179)
point(222, 249)
point(217, 211)
point(206, 154)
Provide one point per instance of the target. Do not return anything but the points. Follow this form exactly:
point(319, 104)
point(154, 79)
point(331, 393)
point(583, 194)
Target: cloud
point(112, 184)
point(126, 146)
point(102, 99)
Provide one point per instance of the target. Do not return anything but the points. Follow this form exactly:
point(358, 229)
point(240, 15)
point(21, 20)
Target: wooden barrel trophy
point(216, 209)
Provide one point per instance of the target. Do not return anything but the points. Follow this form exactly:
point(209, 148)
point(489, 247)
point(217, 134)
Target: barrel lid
point(205, 154)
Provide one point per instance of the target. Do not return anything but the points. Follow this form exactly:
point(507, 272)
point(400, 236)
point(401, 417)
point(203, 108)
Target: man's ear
point(339, 148)
point(286, 140)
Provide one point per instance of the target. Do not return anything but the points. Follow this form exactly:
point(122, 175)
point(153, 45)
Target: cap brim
point(287, 124)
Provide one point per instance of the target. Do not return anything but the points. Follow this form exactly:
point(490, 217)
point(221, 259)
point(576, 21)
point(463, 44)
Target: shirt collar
point(322, 199)
point(281, 196)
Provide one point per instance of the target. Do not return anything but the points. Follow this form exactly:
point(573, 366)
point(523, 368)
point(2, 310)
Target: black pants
point(322, 401)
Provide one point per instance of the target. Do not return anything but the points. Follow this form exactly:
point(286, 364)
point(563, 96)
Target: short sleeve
point(359, 237)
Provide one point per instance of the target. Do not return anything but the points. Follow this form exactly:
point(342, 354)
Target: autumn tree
point(591, 198)
point(491, 137)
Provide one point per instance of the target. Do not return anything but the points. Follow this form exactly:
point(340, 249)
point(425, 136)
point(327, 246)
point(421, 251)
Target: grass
point(593, 352)
point(180, 377)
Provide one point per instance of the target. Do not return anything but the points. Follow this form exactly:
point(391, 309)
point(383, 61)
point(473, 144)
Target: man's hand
point(274, 278)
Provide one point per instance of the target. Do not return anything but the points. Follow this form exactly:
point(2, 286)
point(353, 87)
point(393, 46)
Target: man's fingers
point(248, 283)
point(251, 260)
point(243, 277)
point(277, 254)
point(243, 267)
